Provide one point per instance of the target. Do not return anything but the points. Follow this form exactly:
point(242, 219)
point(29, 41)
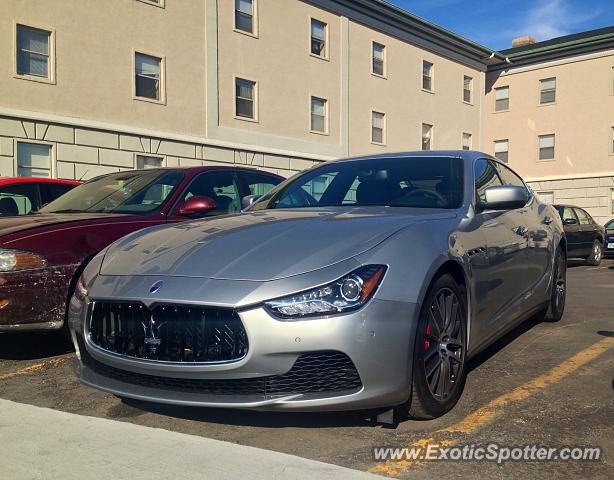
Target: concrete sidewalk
point(40, 443)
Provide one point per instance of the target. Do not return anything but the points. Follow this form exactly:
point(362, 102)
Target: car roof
point(15, 180)
point(460, 154)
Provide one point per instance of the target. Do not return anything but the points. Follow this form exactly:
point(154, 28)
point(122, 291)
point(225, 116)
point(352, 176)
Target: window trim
point(256, 118)
point(52, 155)
point(471, 90)
point(151, 155)
point(539, 148)
point(50, 79)
point(383, 143)
point(162, 99)
point(432, 76)
point(253, 34)
point(432, 139)
point(326, 56)
point(326, 115)
point(539, 92)
point(159, 3)
point(384, 73)
point(495, 99)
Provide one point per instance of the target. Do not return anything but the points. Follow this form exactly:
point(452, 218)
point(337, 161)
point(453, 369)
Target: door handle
point(548, 220)
point(522, 231)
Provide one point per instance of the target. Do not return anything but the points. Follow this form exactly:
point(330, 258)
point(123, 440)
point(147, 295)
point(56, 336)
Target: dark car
point(585, 237)
point(23, 195)
point(42, 255)
point(609, 238)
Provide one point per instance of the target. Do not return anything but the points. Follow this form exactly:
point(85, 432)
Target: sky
point(494, 23)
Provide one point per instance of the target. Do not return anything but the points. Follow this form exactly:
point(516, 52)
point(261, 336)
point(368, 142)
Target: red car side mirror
point(197, 205)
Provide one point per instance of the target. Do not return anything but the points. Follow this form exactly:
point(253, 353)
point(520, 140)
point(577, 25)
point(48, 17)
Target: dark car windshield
point(420, 182)
point(136, 192)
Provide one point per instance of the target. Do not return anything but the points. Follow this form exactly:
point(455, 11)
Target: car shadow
point(33, 346)
point(576, 262)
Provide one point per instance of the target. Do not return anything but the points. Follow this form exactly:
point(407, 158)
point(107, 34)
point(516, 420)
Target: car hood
point(9, 225)
point(257, 246)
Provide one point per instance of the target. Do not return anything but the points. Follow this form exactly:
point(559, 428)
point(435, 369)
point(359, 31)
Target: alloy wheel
point(444, 344)
point(597, 253)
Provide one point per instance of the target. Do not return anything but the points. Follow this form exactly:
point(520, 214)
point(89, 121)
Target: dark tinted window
point(51, 191)
point(610, 225)
point(19, 199)
point(485, 176)
point(431, 182)
point(260, 184)
point(507, 176)
point(221, 187)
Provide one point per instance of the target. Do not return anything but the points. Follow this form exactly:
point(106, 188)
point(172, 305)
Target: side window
point(51, 191)
point(221, 187)
point(507, 176)
point(485, 176)
point(582, 216)
point(260, 184)
point(568, 214)
point(19, 199)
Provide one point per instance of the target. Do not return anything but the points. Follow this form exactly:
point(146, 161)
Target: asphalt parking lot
point(544, 384)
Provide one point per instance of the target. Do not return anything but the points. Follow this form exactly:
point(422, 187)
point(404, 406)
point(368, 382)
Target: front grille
point(322, 372)
point(170, 333)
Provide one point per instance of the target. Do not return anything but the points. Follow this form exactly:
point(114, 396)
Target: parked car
point(585, 237)
point(355, 284)
point(609, 241)
point(23, 195)
point(42, 255)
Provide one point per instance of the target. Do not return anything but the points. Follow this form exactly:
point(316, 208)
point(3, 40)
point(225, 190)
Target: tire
point(558, 293)
point(594, 259)
point(440, 354)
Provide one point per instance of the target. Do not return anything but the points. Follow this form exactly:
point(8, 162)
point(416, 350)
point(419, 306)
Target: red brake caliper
point(426, 342)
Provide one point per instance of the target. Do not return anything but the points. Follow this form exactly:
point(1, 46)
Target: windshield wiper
point(70, 210)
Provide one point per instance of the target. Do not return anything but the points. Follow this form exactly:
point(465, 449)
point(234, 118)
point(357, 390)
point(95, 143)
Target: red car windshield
point(137, 192)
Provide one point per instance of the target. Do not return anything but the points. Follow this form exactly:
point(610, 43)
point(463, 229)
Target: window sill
point(501, 111)
point(432, 92)
point(247, 34)
point(319, 57)
point(550, 104)
point(468, 103)
point(246, 119)
point(546, 160)
point(384, 77)
point(378, 144)
point(34, 78)
point(150, 100)
point(315, 132)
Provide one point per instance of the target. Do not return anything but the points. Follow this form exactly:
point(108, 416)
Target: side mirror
point(197, 205)
point(249, 200)
point(570, 221)
point(505, 197)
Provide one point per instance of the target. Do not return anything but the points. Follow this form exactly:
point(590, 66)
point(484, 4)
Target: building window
point(546, 147)
point(245, 99)
point(378, 128)
point(244, 15)
point(427, 76)
point(546, 197)
point(147, 76)
point(467, 140)
point(379, 59)
point(547, 91)
point(612, 141)
point(33, 160)
point(146, 161)
point(502, 99)
point(427, 136)
point(467, 89)
point(33, 52)
point(319, 115)
point(502, 148)
point(318, 38)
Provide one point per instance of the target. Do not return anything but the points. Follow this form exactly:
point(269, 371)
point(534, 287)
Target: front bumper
point(35, 299)
point(377, 339)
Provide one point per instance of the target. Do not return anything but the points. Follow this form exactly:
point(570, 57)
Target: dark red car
point(42, 255)
point(22, 195)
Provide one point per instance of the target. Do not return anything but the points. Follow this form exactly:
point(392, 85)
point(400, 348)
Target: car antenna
point(84, 174)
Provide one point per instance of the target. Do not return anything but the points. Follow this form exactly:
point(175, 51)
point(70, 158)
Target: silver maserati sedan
point(357, 284)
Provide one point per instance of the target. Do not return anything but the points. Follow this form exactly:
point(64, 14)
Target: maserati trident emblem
point(156, 286)
point(152, 335)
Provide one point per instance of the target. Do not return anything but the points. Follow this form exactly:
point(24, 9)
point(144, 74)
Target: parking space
point(545, 384)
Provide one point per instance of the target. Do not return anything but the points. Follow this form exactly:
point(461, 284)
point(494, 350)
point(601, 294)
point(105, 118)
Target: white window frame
point(326, 55)
point(383, 142)
point(540, 90)
point(326, 121)
point(253, 34)
point(255, 119)
point(504, 87)
point(431, 76)
point(384, 73)
point(50, 79)
point(159, 3)
point(539, 147)
point(162, 58)
point(466, 135)
point(507, 152)
point(162, 159)
point(52, 159)
point(470, 90)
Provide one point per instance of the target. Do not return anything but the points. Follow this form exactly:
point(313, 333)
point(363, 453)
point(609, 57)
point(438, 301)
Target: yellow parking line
point(495, 408)
point(37, 367)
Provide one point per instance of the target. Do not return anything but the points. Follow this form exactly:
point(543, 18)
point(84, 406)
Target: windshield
point(419, 182)
point(137, 192)
point(610, 225)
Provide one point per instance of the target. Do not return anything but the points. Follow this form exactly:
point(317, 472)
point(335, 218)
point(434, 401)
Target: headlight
point(11, 260)
point(348, 293)
point(80, 290)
